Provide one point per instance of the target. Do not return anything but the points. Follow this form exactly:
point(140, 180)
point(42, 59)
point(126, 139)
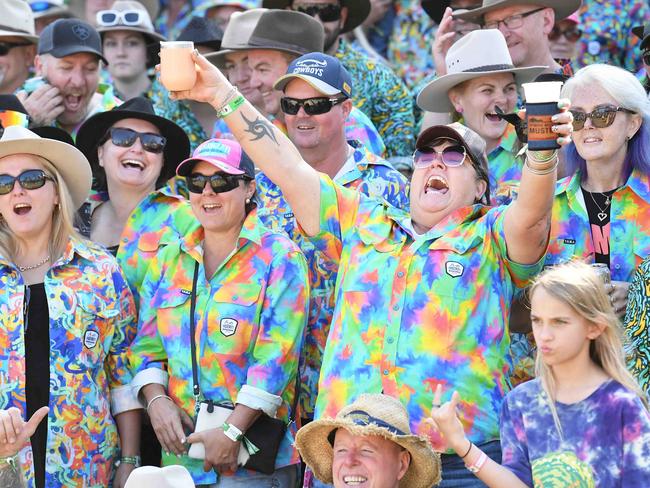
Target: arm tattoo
point(259, 128)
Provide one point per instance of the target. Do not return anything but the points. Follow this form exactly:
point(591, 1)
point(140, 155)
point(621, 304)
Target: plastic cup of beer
point(541, 105)
point(177, 69)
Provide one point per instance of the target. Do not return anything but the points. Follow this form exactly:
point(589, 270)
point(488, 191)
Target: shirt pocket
point(94, 317)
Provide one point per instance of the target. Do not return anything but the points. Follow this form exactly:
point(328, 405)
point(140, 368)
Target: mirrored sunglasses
point(311, 106)
point(123, 137)
point(11, 117)
point(41, 6)
point(219, 182)
point(572, 34)
point(601, 117)
point(451, 156)
point(326, 12)
point(30, 179)
point(5, 46)
point(109, 18)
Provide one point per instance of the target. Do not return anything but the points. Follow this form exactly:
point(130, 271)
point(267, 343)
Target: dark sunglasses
point(219, 182)
point(123, 137)
point(572, 34)
point(5, 47)
point(326, 12)
point(451, 156)
point(30, 179)
point(646, 58)
point(601, 117)
point(312, 106)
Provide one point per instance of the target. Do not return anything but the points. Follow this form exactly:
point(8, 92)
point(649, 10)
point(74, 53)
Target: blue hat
point(323, 72)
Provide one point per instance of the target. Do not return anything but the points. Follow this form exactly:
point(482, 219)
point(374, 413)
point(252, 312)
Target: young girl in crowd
point(584, 420)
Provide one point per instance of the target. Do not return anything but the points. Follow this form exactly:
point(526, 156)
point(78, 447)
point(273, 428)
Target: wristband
point(543, 170)
point(231, 107)
point(134, 460)
point(156, 398)
point(232, 432)
point(478, 464)
point(468, 450)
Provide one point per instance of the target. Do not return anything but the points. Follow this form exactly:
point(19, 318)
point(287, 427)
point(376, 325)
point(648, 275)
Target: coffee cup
point(541, 105)
point(177, 69)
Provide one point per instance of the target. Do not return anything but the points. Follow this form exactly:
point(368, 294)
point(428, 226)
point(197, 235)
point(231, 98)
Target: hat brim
point(58, 11)
point(186, 166)
point(27, 37)
point(562, 8)
point(315, 449)
point(63, 51)
point(176, 149)
point(434, 96)
point(358, 11)
point(315, 83)
point(69, 161)
point(429, 135)
point(218, 58)
point(151, 36)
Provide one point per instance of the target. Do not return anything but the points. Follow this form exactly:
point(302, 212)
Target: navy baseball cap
point(323, 72)
point(64, 37)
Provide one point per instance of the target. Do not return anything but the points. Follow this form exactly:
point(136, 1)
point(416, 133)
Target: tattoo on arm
point(259, 128)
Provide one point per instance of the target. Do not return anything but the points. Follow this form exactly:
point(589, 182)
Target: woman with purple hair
point(601, 214)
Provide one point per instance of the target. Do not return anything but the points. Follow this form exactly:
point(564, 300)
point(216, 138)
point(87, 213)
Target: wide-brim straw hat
point(17, 20)
point(562, 8)
point(371, 414)
point(479, 53)
point(69, 161)
point(78, 8)
point(152, 477)
point(358, 11)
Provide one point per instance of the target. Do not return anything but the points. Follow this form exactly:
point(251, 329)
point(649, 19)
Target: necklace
point(34, 266)
point(602, 215)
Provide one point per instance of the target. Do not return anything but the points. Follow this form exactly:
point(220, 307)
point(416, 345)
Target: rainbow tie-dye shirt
point(414, 313)
point(92, 323)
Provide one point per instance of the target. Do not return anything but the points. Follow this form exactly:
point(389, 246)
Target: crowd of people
point(333, 260)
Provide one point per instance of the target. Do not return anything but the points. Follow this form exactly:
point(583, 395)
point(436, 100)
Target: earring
point(459, 110)
point(248, 200)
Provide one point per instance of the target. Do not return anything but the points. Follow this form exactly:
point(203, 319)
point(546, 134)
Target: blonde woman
point(584, 420)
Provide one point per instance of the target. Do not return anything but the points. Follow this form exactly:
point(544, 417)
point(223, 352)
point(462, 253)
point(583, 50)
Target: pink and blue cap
point(224, 154)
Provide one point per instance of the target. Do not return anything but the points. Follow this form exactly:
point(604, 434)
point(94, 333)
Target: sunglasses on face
point(123, 137)
point(311, 106)
point(219, 182)
point(601, 117)
point(5, 47)
point(451, 156)
point(30, 179)
point(109, 18)
point(572, 34)
point(325, 12)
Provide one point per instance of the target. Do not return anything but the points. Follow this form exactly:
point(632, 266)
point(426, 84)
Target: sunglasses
point(123, 137)
point(451, 156)
point(219, 182)
point(30, 179)
point(601, 117)
point(5, 47)
point(40, 6)
point(646, 58)
point(325, 12)
point(109, 18)
point(311, 106)
point(11, 117)
point(572, 34)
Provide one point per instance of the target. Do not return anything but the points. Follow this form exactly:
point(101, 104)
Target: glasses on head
point(123, 137)
point(512, 22)
point(5, 46)
point(326, 12)
point(572, 34)
point(601, 117)
point(311, 106)
point(30, 179)
point(109, 18)
point(219, 182)
point(451, 156)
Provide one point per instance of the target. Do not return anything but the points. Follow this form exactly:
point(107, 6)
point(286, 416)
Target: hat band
point(262, 43)
point(359, 417)
point(13, 29)
point(489, 67)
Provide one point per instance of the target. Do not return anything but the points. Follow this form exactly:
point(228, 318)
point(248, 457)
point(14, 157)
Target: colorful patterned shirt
point(637, 325)
point(382, 96)
point(412, 313)
point(605, 438)
point(607, 36)
point(505, 168)
point(371, 176)
point(92, 323)
point(184, 17)
point(250, 318)
point(628, 241)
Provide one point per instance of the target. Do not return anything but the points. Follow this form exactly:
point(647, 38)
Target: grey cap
point(65, 37)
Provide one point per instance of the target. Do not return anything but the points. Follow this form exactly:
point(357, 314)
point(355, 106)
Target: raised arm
point(267, 146)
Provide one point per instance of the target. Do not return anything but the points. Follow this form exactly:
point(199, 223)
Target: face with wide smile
point(267, 66)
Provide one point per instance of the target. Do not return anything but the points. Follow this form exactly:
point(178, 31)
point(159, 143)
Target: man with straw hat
point(369, 443)
point(17, 44)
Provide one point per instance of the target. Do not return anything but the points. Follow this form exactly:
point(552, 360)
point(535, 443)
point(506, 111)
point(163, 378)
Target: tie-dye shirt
point(371, 176)
point(504, 168)
point(637, 325)
point(628, 241)
point(605, 438)
point(92, 323)
point(414, 313)
point(250, 319)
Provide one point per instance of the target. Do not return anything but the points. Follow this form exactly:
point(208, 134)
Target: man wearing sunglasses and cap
point(17, 44)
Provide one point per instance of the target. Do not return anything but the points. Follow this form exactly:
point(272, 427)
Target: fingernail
point(183, 440)
point(554, 118)
point(196, 52)
point(562, 104)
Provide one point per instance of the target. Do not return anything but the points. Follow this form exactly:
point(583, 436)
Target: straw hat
point(78, 8)
point(17, 20)
point(479, 53)
point(358, 10)
point(370, 414)
point(175, 476)
point(71, 164)
point(562, 8)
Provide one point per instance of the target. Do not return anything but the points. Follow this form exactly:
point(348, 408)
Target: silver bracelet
point(229, 97)
point(543, 171)
point(156, 398)
point(529, 155)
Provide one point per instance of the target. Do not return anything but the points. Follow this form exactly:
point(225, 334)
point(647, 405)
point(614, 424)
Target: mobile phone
point(31, 84)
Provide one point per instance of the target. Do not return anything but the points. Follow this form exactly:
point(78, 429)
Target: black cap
point(203, 33)
point(64, 37)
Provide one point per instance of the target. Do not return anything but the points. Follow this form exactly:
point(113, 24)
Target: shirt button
point(391, 340)
point(395, 307)
point(617, 266)
point(125, 240)
point(385, 372)
point(235, 297)
point(400, 274)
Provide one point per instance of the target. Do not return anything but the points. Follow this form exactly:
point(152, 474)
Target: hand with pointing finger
point(15, 432)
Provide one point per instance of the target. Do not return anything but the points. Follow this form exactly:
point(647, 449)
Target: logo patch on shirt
point(454, 269)
point(288, 215)
point(569, 241)
point(90, 338)
point(228, 326)
point(186, 292)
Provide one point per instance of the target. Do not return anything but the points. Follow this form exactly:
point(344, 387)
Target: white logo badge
point(228, 326)
point(454, 269)
point(90, 338)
